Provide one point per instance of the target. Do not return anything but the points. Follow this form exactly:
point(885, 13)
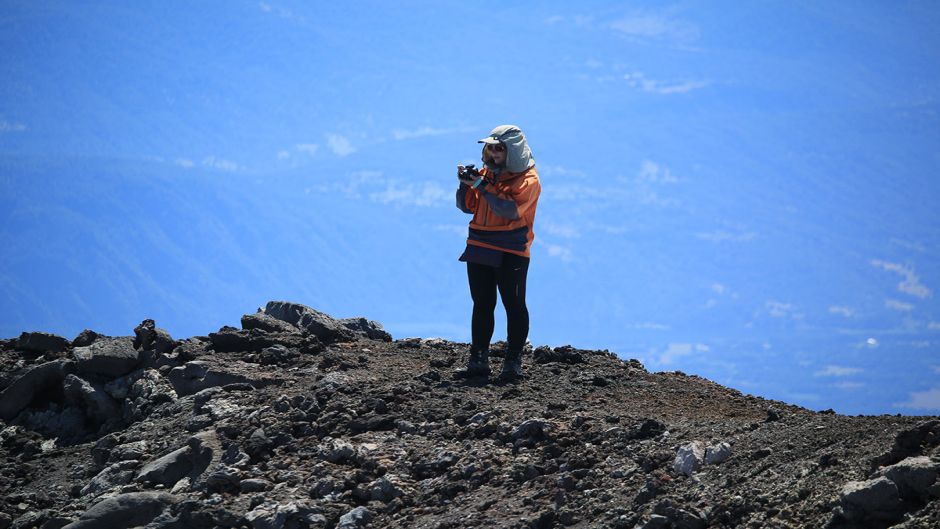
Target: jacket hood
point(518, 156)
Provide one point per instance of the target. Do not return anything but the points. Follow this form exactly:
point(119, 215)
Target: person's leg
point(482, 279)
point(511, 281)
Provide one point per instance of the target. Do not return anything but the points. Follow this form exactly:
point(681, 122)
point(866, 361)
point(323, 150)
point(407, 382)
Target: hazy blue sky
point(742, 191)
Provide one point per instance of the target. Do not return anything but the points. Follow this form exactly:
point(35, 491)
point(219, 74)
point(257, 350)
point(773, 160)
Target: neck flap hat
point(518, 156)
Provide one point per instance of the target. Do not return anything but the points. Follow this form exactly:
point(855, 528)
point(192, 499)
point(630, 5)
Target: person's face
point(497, 153)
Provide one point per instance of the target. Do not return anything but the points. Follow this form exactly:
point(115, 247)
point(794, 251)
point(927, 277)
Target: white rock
point(718, 453)
point(689, 458)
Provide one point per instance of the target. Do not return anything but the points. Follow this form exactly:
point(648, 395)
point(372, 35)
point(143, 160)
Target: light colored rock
point(317, 323)
point(255, 485)
point(876, 498)
point(718, 453)
point(689, 458)
point(189, 461)
point(337, 451)
point(120, 473)
point(98, 405)
point(354, 519)
point(914, 476)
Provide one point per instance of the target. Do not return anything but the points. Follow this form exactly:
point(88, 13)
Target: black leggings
point(509, 278)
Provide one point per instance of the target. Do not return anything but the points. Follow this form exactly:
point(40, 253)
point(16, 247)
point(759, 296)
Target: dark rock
point(230, 339)
point(564, 354)
point(911, 442)
point(124, 511)
point(111, 357)
point(317, 323)
point(41, 342)
point(148, 336)
point(255, 485)
point(372, 330)
point(648, 429)
point(37, 380)
point(86, 338)
point(258, 443)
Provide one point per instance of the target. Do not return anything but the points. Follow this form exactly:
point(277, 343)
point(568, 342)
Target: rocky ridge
point(299, 420)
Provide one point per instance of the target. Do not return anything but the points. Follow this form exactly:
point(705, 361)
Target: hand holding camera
point(469, 175)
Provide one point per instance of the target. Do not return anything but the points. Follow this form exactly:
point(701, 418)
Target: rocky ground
point(300, 420)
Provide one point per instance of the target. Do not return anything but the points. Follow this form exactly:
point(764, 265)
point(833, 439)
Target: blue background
point(744, 192)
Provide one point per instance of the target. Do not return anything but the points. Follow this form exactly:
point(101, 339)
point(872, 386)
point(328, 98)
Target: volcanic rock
point(148, 337)
point(271, 427)
point(42, 342)
point(689, 458)
point(110, 357)
point(36, 380)
point(128, 510)
point(315, 322)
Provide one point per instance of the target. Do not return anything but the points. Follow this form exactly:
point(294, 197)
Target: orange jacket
point(491, 230)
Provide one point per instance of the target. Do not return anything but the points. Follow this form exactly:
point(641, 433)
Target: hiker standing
point(502, 198)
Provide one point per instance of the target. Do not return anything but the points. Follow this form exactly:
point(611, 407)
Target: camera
point(468, 172)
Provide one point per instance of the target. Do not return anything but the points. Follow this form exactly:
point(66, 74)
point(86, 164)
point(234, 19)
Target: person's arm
point(462, 198)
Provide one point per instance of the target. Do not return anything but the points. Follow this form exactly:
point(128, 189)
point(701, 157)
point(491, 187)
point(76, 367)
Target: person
point(502, 198)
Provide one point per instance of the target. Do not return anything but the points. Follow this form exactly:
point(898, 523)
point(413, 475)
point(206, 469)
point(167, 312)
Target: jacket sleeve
point(504, 207)
point(466, 199)
point(526, 194)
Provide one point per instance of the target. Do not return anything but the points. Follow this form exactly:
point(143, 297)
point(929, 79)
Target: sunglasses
point(496, 147)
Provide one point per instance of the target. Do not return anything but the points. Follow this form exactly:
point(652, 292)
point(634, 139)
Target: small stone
point(255, 485)
point(354, 519)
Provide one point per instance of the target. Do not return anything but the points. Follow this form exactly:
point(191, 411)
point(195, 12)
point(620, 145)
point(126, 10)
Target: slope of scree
point(301, 420)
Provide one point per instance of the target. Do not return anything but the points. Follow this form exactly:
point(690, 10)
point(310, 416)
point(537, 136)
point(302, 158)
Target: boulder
point(110, 357)
point(914, 477)
point(372, 330)
point(875, 499)
point(133, 509)
point(92, 398)
point(321, 325)
point(266, 323)
point(189, 461)
point(24, 389)
point(689, 458)
point(148, 336)
point(85, 338)
point(117, 474)
point(146, 391)
point(198, 375)
point(41, 342)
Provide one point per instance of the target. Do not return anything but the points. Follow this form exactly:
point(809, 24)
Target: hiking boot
point(512, 366)
point(477, 366)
